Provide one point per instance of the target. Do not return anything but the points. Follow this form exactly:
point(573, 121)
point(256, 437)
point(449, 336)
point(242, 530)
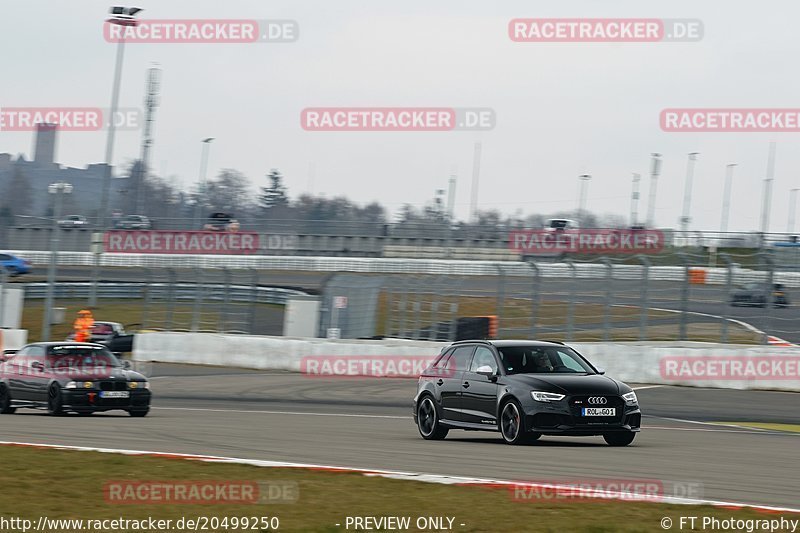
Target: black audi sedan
point(70, 376)
point(523, 389)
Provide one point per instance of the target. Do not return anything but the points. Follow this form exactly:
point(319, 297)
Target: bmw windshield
point(83, 356)
point(543, 360)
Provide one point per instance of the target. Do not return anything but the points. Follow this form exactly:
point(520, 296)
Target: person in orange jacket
point(83, 326)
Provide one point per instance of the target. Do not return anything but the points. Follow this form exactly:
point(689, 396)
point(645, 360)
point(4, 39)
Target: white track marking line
point(393, 474)
point(397, 417)
point(702, 423)
point(749, 431)
point(349, 415)
point(745, 429)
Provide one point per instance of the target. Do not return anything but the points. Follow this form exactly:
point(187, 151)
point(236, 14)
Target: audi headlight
point(546, 396)
point(630, 398)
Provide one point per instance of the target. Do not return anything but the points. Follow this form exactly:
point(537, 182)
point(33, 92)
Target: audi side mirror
point(601, 371)
point(486, 371)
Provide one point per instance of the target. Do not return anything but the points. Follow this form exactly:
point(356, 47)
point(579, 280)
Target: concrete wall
point(690, 364)
point(79, 240)
point(13, 339)
point(266, 353)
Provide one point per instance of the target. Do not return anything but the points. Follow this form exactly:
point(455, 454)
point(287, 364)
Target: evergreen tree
point(274, 195)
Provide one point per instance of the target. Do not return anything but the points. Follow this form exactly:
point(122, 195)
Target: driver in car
point(541, 362)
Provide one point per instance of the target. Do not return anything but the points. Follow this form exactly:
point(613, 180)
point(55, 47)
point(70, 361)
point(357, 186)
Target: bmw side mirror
point(126, 364)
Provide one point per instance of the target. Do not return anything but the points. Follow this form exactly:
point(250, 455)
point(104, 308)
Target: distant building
point(44, 150)
point(43, 170)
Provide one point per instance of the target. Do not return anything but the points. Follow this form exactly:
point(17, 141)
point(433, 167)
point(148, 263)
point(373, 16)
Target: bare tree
point(229, 192)
point(17, 196)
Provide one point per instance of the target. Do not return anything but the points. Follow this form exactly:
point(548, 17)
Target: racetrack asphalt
point(367, 423)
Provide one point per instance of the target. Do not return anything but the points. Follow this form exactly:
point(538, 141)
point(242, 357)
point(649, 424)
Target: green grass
point(551, 319)
point(126, 312)
point(69, 484)
point(122, 311)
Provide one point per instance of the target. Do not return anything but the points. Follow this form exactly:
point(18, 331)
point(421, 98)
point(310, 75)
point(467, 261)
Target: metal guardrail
point(179, 291)
point(714, 275)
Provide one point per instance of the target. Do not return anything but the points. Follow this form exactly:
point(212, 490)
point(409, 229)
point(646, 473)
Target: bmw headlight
point(79, 385)
point(138, 384)
point(546, 396)
point(630, 398)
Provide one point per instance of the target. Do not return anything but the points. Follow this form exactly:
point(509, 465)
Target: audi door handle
point(466, 385)
point(440, 382)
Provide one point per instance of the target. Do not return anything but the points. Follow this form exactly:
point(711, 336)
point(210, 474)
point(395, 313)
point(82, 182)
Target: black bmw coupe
point(523, 389)
point(83, 378)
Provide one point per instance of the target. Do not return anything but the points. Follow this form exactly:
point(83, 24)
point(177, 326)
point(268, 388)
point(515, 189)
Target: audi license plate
point(119, 394)
point(598, 411)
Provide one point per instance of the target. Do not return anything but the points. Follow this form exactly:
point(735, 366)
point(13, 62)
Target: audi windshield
point(543, 360)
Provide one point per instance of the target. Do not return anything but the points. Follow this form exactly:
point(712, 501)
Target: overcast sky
point(563, 109)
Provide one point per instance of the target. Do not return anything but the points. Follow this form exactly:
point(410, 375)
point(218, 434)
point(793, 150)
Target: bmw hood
point(570, 384)
point(99, 374)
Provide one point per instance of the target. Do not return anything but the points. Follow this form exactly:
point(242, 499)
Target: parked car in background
point(221, 222)
point(133, 222)
point(74, 221)
point(560, 224)
point(14, 265)
point(760, 295)
point(110, 334)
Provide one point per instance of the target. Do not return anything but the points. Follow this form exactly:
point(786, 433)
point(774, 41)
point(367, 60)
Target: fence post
point(172, 279)
point(148, 279)
point(609, 281)
point(682, 329)
point(251, 318)
point(644, 303)
point(95, 278)
point(453, 321)
point(401, 330)
point(501, 297)
point(3, 280)
point(387, 323)
point(417, 314)
point(536, 296)
point(198, 300)
point(222, 323)
point(726, 297)
point(770, 263)
point(571, 303)
point(433, 332)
